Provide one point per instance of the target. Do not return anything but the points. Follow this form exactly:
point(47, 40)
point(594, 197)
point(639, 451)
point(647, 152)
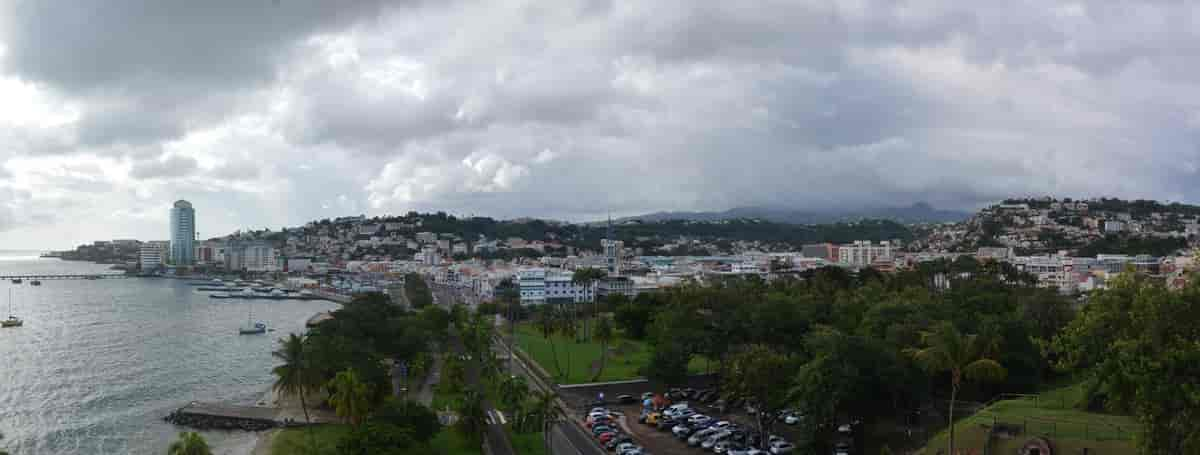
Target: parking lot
point(663, 442)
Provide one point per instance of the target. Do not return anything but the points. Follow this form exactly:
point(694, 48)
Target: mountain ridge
point(919, 212)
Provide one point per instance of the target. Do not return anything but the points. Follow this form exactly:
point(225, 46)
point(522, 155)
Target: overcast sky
point(267, 113)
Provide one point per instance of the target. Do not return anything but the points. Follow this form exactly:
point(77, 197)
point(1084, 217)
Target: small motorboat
point(16, 281)
point(12, 321)
point(219, 295)
point(35, 283)
point(257, 328)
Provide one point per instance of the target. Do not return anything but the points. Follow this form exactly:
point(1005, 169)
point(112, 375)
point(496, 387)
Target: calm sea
point(100, 362)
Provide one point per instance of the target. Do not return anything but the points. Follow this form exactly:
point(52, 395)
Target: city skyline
point(303, 111)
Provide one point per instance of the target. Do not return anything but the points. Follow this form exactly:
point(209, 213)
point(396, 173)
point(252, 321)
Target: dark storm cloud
point(572, 108)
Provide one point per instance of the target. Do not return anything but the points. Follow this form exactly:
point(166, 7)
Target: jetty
point(220, 416)
point(92, 276)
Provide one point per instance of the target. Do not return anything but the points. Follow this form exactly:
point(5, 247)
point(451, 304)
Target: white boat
point(12, 320)
point(278, 293)
point(252, 328)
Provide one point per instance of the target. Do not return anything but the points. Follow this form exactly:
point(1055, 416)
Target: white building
point(612, 255)
point(153, 254)
point(183, 233)
point(255, 256)
point(560, 288)
point(863, 253)
point(532, 282)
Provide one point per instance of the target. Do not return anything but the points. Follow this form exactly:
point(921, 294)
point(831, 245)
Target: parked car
point(683, 430)
point(714, 439)
point(642, 416)
point(781, 447)
point(725, 446)
point(792, 418)
point(596, 430)
point(675, 408)
point(699, 419)
point(667, 424)
point(699, 437)
point(605, 437)
point(684, 414)
point(723, 425)
point(747, 451)
point(842, 448)
point(689, 393)
point(633, 451)
point(647, 395)
point(626, 446)
point(652, 418)
point(616, 441)
point(626, 399)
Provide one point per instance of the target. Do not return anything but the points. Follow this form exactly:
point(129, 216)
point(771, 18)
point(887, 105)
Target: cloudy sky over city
point(267, 113)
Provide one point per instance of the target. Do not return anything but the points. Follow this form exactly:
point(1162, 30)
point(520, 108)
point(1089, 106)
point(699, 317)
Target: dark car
point(596, 430)
point(626, 399)
point(615, 441)
point(689, 393)
point(666, 424)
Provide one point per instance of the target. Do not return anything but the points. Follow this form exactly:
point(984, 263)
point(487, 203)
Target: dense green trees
point(417, 291)
point(189, 443)
point(844, 337)
point(1136, 342)
point(341, 363)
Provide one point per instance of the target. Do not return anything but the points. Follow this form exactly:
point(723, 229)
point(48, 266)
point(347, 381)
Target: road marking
point(500, 414)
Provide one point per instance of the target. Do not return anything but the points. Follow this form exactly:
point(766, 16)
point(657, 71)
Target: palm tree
point(586, 276)
point(351, 397)
point(189, 443)
point(512, 390)
point(964, 356)
point(297, 375)
point(470, 414)
point(544, 407)
point(604, 333)
point(548, 326)
point(569, 330)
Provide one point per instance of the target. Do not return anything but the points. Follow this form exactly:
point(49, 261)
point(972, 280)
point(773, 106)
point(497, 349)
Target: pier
point(94, 276)
point(220, 416)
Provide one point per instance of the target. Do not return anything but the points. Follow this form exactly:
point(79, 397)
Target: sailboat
point(12, 320)
point(252, 328)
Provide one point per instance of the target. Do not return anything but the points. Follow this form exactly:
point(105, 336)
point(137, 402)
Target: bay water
point(99, 363)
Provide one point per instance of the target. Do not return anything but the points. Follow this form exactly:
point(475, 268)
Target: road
point(495, 435)
point(566, 437)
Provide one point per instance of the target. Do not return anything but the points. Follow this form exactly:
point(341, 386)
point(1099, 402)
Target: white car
point(793, 419)
point(680, 430)
point(701, 435)
point(714, 439)
point(699, 419)
point(625, 446)
point(781, 447)
point(723, 425)
point(632, 451)
point(722, 447)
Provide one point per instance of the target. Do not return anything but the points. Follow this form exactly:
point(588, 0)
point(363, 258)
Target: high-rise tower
point(183, 233)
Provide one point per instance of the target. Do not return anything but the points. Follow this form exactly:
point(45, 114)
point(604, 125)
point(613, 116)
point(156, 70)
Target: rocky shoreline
point(207, 422)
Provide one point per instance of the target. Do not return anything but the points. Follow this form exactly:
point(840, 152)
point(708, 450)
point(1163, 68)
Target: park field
point(626, 356)
point(1051, 414)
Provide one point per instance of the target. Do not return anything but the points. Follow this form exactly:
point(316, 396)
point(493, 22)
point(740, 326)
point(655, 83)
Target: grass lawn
point(1051, 414)
point(632, 355)
point(528, 444)
point(294, 440)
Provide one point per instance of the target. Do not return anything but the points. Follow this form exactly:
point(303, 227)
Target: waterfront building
point(183, 233)
point(153, 254)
